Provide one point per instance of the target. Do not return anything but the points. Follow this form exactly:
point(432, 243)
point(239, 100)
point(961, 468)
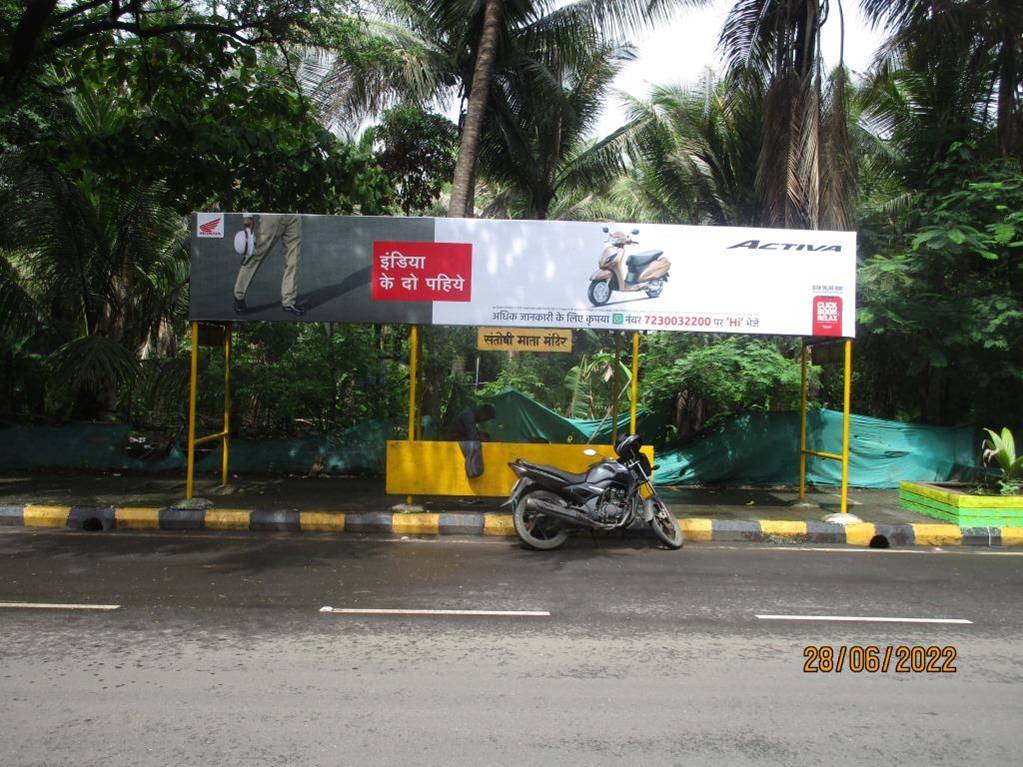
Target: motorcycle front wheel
point(600, 292)
point(665, 525)
point(536, 530)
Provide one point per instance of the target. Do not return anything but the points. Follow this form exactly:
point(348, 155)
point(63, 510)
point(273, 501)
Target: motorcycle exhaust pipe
point(564, 513)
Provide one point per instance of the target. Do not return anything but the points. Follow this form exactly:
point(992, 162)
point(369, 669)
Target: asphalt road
point(219, 654)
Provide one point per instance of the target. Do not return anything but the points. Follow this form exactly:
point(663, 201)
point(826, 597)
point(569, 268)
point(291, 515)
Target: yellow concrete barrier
point(782, 528)
point(438, 468)
point(137, 518)
point(415, 524)
point(1012, 536)
point(321, 521)
point(937, 535)
point(227, 519)
point(498, 524)
point(45, 516)
point(859, 534)
point(696, 529)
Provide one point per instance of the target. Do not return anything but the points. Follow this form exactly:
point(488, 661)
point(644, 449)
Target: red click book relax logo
point(827, 315)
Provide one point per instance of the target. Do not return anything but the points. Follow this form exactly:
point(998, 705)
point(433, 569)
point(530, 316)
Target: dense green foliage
point(416, 151)
point(943, 297)
point(119, 118)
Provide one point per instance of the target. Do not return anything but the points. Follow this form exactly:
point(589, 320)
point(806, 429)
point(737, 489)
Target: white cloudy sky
point(680, 51)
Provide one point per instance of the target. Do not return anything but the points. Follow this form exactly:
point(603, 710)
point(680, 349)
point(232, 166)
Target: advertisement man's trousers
point(273, 228)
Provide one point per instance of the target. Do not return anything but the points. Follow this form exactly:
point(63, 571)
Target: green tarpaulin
point(763, 449)
point(748, 449)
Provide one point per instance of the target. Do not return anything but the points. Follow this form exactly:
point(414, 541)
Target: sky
point(680, 52)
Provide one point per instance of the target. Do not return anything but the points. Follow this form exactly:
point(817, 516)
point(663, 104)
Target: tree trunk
point(469, 145)
point(22, 45)
point(1008, 80)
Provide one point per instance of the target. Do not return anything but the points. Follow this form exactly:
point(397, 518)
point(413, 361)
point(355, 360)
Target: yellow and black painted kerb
point(92, 518)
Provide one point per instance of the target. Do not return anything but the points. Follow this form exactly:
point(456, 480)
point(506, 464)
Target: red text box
point(422, 271)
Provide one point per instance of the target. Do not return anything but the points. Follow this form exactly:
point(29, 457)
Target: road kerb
point(421, 523)
point(45, 516)
point(937, 535)
point(498, 524)
point(778, 528)
point(227, 519)
point(137, 518)
point(696, 529)
point(321, 521)
point(859, 534)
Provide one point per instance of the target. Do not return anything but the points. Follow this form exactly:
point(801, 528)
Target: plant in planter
point(1002, 448)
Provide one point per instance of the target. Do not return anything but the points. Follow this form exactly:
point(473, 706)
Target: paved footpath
point(218, 652)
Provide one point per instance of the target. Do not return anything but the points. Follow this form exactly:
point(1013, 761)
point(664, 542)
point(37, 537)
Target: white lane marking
point(860, 618)
point(378, 611)
point(55, 606)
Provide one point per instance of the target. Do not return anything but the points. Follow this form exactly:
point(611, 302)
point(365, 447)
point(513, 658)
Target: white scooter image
point(646, 271)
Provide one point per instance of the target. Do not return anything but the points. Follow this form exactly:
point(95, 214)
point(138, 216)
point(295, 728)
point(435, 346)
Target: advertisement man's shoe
point(294, 309)
point(239, 306)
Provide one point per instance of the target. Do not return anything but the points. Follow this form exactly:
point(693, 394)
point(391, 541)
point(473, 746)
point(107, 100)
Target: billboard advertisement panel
point(554, 274)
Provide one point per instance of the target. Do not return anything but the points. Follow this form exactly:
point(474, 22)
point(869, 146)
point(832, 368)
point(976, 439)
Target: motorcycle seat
point(640, 260)
point(569, 477)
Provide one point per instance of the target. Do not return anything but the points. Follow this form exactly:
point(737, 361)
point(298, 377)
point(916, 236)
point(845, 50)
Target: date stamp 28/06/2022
point(902, 659)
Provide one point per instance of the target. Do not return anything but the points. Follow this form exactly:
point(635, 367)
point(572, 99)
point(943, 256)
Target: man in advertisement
point(262, 232)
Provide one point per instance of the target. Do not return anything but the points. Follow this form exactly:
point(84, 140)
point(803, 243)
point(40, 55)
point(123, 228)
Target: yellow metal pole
point(413, 375)
point(190, 472)
point(802, 425)
point(227, 404)
point(419, 391)
point(635, 383)
point(846, 397)
point(615, 388)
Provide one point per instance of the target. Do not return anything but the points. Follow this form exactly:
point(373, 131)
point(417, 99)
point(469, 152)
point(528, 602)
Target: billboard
point(551, 274)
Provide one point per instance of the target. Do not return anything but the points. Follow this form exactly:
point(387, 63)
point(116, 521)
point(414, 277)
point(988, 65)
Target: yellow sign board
point(524, 340)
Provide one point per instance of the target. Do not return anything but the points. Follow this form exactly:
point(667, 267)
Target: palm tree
point(920, 104)
point(607, 16)
point(104, 266)
point(438, 48)
point(693, 151)
point(805, 174)
point(540, 118)
point(986, 36)
point(463, 181)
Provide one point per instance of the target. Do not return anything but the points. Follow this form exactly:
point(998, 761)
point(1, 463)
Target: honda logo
point(210, 224)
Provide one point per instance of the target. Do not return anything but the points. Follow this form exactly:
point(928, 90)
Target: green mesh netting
point(748, 449)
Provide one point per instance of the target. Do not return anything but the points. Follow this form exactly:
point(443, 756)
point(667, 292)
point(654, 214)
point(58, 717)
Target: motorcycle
point(547, 503)
point(646, 271)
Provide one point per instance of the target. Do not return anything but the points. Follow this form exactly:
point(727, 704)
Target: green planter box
point(957, 505)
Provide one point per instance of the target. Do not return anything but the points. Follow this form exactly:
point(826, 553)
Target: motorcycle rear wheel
point(536, 530)
point(665, 525)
